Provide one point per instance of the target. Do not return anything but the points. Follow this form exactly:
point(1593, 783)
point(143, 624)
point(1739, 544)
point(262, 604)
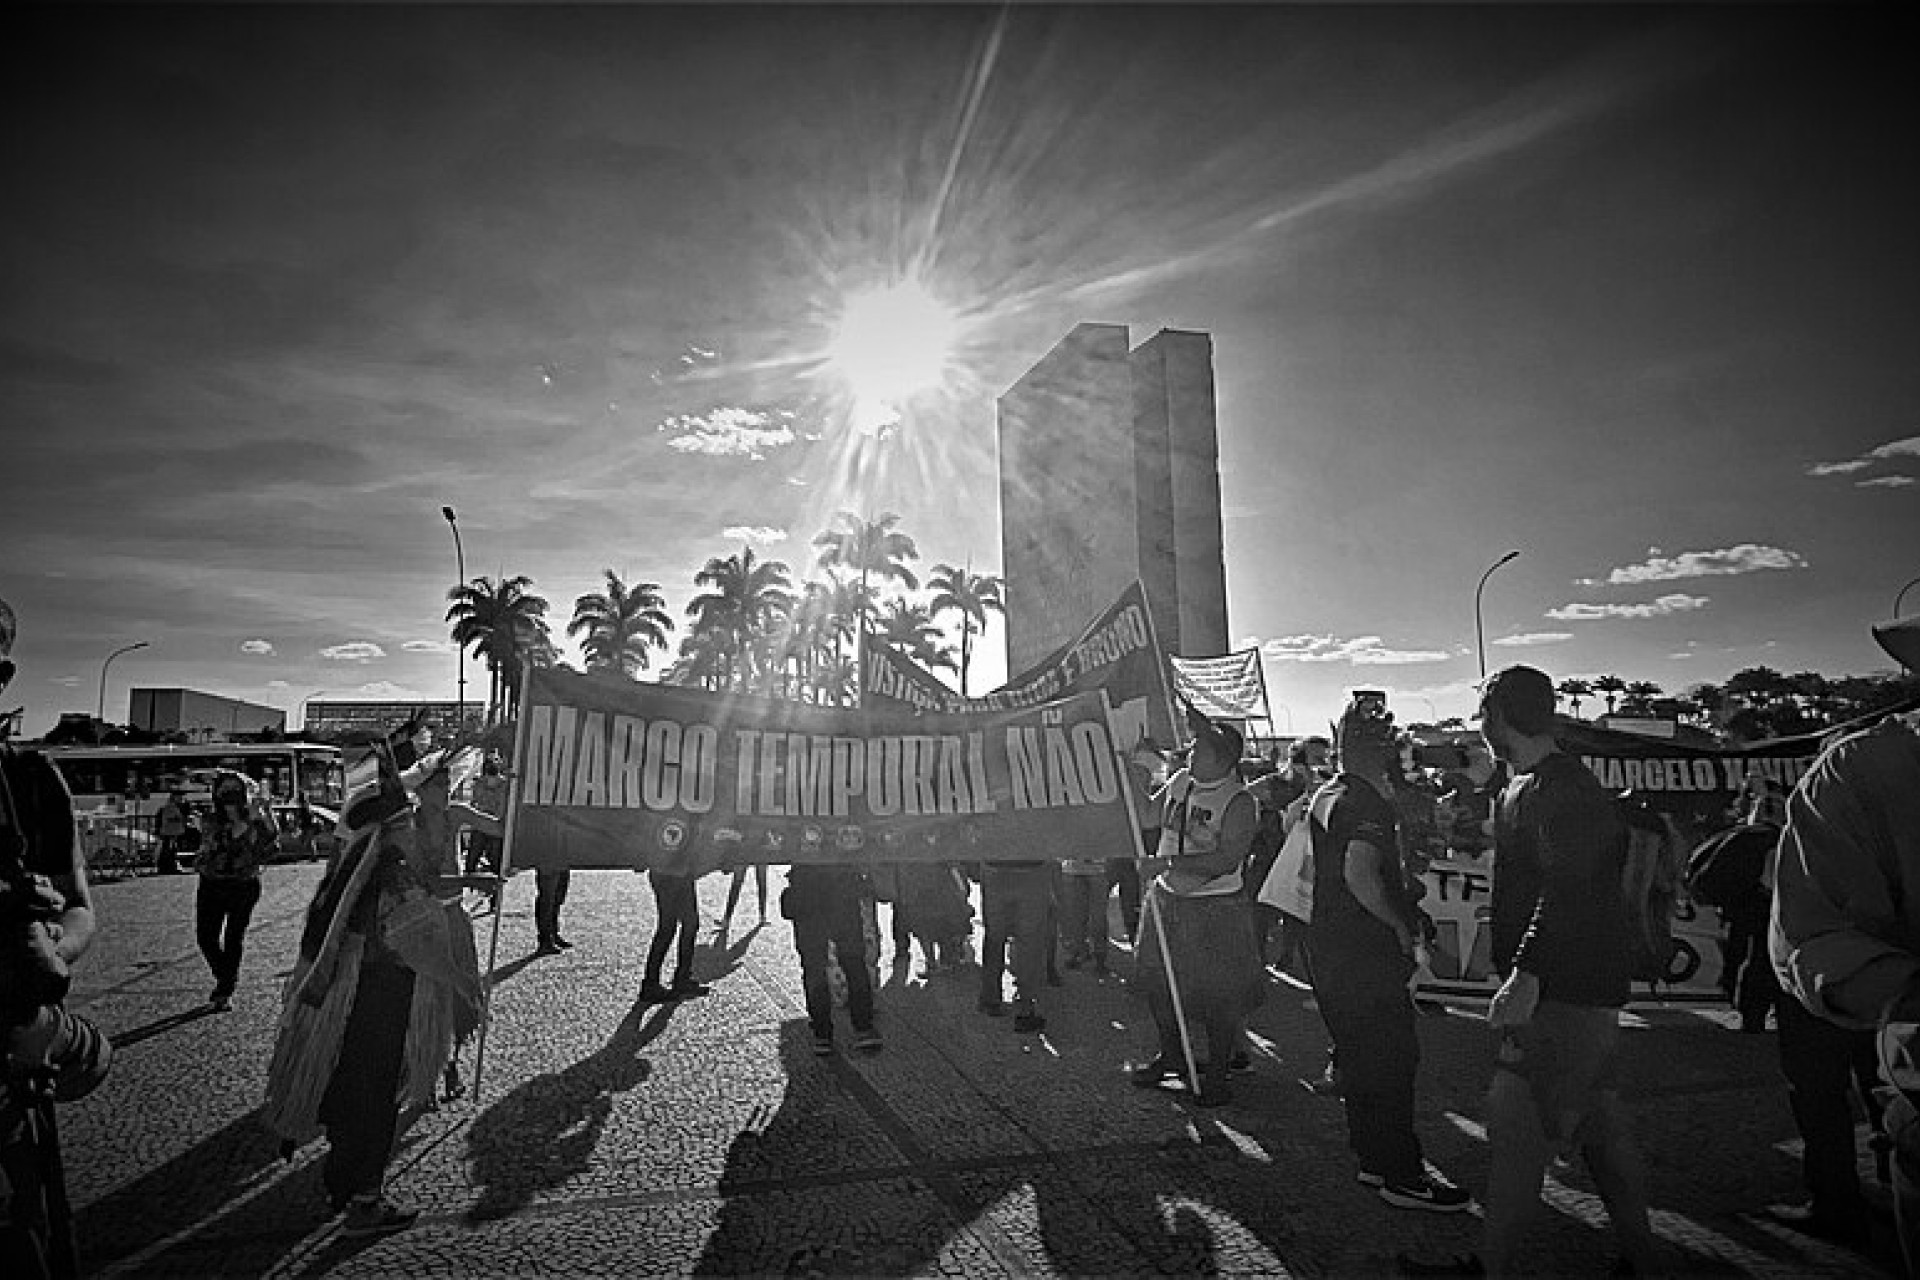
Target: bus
point(118, 791)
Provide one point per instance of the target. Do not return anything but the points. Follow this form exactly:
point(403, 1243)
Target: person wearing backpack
point(1560, 937)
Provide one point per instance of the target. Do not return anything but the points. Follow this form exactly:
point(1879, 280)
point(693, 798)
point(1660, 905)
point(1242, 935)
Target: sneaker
point(867, 1041)
point(547, 947)
point(221, 1000)
point(1149, 1074)
point(562, 943)
point(1029, 1020)
point(822, 1046)
point(1240, 1060)
point(376, 1218)
point(688, 989)
point(1431, 1193)
point(654, 993)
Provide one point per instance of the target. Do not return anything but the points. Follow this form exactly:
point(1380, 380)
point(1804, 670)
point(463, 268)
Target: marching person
point(380, 993)
point(50, 1054)
point(1560, 941)
point(235, 839)
point(170, 825)
point(677, 914)
point(823, 901)
point(1363, 938)
point(1845, 931)
point(1197, 929)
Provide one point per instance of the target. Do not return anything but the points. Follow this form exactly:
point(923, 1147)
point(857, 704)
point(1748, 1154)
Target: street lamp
point(460, 566)
point(100, 713)
point(303, 707)
point(1903, 595)
point(1479, 628)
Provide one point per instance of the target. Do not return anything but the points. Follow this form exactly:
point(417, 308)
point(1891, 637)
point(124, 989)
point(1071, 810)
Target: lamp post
point(303, 707)
point(1903, 595)
point(100, 713)
point(460, 567)
point(1479, 628)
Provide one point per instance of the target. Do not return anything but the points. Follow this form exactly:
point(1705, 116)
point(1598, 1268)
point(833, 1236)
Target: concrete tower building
point(1109, 471)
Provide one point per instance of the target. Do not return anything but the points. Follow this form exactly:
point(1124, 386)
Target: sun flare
point(892, 343)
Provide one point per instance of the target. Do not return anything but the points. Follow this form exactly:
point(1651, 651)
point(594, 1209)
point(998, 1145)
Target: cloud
point(353, 651)
point(758, 534)
point(1665, 605)
point(258, 647)
point(1363, 651)
point(1746, 557)
point(1905, 448)
point(387, 691)
point(1884, 482)
point(1528, 639)
point(730, 432)
point(427, 646)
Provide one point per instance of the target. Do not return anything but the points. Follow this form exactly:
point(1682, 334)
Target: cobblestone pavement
point(704, 1137)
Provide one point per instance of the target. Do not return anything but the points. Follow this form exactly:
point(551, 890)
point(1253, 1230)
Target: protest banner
point(1118, 651)
point(1230, 687)
point(614, 774)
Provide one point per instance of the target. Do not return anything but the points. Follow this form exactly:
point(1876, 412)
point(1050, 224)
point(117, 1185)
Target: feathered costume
point(372, 900)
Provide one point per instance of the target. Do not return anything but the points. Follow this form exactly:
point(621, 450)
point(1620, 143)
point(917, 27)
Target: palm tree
point(971, 595)
point(702, 661)
point(863, 550)
point(747, 599)
point(910, 628)
point(1609, 687)
point(506, 625)
point(619, 625)
point(1639, 697)
point(1573, 689)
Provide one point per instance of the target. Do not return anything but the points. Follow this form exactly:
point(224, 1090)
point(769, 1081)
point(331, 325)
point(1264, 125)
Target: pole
point(1902, 596)
point(460, 567)
point(1479, 629)
point(100, 713)
point(514, 771)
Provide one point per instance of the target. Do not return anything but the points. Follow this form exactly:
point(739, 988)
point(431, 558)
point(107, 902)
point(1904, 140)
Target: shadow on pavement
point(545, 1130)
point(160, 1026)
point(719, 956)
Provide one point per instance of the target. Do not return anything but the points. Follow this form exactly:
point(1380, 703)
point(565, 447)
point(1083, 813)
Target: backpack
point(1726, 868)
point(1650, 881)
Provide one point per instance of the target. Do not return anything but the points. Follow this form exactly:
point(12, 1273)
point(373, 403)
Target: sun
point(892, 343)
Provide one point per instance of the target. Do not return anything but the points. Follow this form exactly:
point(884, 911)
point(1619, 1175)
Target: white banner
point(1224, 688)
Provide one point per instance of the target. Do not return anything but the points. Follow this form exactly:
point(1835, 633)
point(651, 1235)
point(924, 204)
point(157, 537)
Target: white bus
point(118, 791)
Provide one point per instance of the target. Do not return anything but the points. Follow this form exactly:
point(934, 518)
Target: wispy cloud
point(758, 534)
point(1746, 557)
point(388, 691)
point(259, 648)
point(1529, 639)
point(353, 651)
point(730, 432)
point(1362, 651)
point(1909, 447)
point(1663, 607)
point(1884, 482)
point(427, 646)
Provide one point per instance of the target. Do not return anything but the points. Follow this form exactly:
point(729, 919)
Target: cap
point(1900, 638)
point(1224, 737)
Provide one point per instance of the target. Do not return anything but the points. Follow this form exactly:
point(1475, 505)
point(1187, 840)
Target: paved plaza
point(705, 1138)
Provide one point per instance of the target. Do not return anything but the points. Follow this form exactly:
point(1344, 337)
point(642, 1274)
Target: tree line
point(750, 628)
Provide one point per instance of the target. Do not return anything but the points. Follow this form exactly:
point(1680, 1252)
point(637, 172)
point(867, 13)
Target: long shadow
point(545, 1130)
point(160, 1026)
point(720, 955)
point(194, 1186)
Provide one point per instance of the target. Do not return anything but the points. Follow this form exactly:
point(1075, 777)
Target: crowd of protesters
point(1823, 947)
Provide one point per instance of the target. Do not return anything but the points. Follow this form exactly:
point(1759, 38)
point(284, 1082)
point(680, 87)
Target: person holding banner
point(1197, 955)
point(1364, 942)
point(823, 901)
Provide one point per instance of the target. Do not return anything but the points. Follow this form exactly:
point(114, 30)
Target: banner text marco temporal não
point(594, 759)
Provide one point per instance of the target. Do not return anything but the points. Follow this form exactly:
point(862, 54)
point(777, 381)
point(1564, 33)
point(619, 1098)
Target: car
point(316, 841)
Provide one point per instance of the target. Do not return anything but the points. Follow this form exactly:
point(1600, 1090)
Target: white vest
point(1195, 813)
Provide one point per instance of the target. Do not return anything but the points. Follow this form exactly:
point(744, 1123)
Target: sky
point(1632, 290)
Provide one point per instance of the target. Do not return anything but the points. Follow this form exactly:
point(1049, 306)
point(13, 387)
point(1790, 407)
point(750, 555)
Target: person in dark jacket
point(1560, 940)
point(823, 901)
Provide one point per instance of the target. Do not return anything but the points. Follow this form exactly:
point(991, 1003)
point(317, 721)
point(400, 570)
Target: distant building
point(202, 715)
point(1109, 471)
point(332, 719)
